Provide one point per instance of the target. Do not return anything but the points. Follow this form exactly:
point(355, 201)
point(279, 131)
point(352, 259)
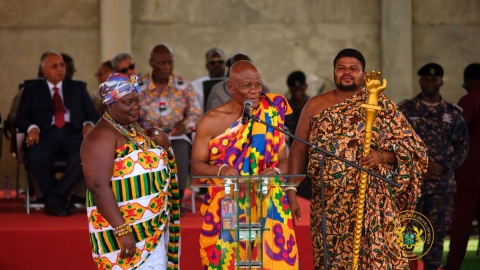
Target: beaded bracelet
point(122, 230)
point(220, 168)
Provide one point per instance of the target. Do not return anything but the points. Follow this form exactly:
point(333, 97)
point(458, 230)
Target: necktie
point(59, 110)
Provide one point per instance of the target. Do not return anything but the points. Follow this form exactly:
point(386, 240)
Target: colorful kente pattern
point(146, 189)
point(250, 149)
point(341, 130)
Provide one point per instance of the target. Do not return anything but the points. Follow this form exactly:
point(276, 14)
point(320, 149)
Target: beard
point(351, 87)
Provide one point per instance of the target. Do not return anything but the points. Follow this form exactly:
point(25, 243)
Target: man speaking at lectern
point(335, 121)
point(226, 145)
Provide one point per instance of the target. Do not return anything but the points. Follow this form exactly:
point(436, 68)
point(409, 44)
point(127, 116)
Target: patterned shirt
point(164, 108)
point(444, 131)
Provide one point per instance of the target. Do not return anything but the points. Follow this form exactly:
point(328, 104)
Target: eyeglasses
point(125, 70)
point(218, 62)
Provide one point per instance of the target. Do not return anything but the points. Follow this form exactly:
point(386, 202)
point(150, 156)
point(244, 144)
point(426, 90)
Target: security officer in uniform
point(444, 131)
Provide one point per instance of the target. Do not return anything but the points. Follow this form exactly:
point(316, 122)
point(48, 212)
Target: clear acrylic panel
point(247, 209)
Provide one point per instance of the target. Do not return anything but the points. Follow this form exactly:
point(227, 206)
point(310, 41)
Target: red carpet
point(37, 241)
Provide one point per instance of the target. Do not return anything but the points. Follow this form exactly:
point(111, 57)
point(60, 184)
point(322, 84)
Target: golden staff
point(374, 88)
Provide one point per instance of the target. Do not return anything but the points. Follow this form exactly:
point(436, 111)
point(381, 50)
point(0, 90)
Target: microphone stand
point(321, 167)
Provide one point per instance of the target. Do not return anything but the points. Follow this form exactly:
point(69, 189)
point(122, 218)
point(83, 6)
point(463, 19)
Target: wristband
point(289, 188)
point(220, 168)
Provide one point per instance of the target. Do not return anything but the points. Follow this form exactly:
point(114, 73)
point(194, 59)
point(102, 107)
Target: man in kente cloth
point(225, 146)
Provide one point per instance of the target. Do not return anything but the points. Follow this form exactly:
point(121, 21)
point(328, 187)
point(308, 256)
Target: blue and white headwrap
point(116, 86)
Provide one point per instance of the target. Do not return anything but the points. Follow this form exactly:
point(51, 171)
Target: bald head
point(161, 61)
point(243, 66)
point(245, 82)
point(161, 49)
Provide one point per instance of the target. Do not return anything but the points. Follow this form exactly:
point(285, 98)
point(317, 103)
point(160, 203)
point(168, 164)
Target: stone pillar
point(115, 28)
point(396, 46)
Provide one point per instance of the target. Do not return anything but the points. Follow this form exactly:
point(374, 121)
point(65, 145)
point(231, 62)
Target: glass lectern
point(248, 220)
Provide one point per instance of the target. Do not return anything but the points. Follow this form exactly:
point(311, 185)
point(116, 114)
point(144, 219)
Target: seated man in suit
point(56, 113)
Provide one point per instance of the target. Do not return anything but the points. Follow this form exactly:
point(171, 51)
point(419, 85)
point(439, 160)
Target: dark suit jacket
point(36, 105)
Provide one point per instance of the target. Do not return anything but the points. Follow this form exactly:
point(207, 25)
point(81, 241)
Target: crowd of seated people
point(47, 111)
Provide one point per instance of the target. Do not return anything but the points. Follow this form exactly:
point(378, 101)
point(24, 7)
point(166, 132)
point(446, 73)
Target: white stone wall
point(279, 35)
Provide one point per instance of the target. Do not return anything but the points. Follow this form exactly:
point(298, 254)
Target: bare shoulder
point(101, 134)
point(319, 103)
point(215, 121)
point(210, 117)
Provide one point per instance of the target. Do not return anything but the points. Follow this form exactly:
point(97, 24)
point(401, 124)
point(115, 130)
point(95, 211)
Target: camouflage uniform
point(444, 131)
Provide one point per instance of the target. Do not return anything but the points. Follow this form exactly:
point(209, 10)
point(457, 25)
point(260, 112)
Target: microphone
point(247, 105)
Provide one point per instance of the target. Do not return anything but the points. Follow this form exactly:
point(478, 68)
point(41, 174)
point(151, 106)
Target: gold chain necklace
point(134, 133)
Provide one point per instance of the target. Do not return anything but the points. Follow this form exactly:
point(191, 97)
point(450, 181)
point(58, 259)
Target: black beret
point(296, 78)
point(431, 69)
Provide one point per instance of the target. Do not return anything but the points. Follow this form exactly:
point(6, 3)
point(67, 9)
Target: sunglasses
point(125, 70)
point(218, 62)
